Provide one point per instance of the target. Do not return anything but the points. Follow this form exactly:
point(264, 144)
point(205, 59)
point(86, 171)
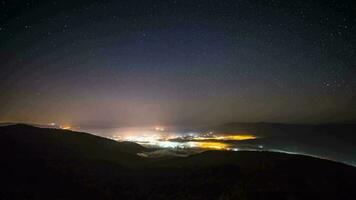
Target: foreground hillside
point(56, 164)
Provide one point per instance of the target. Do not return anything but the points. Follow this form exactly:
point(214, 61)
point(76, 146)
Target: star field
point(177, 62)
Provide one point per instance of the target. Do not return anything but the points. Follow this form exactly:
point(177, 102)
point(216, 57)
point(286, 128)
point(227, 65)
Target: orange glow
point(238, 137)
point(65, 127)
point(227, 137)
point(211, 145)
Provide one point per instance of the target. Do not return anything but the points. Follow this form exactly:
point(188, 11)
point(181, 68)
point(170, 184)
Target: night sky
point(177, 62)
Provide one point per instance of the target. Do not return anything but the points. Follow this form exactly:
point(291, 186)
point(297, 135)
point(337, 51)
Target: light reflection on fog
point(161, 138)
point(177, 142)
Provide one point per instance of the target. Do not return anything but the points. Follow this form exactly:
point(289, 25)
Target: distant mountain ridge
point(334, 141)
point(261, 126)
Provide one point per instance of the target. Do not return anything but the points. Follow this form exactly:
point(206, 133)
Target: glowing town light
point(168, 144)
point(226, 137)
point(65, 127)
point(158, 128)
point(238, 137)
point(157, 137)
point(142, 138)
point(117, 138)
point(209, 145)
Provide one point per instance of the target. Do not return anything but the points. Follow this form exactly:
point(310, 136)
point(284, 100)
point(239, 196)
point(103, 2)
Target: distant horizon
point(173, 125)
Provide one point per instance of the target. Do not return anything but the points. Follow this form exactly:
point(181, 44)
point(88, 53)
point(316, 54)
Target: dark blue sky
point(177, 62)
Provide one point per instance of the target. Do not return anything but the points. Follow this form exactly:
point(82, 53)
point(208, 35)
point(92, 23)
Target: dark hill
point(56, 164)
point(41, 142)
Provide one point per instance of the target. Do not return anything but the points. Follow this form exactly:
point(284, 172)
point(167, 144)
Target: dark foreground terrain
point(56, 164)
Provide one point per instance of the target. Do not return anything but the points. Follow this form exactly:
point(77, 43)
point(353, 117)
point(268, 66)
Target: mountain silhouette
point(41, 163)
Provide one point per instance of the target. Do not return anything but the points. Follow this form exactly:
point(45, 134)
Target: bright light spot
point(237, 137)
point(142, 138)
point(168, 144)
point(225, 137)
point(158, 128)
point(209, 145)
point(117, 138)
point(65, 127)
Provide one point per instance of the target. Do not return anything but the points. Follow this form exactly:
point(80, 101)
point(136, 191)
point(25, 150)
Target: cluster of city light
point(159, 128)
point(158, 136)
point(142, 138)
point(64, 127)
point(189, 145)
point(155, 138)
